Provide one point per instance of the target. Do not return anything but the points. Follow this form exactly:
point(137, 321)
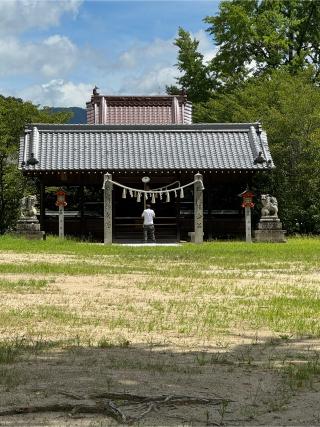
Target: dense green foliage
point(77, 115)
point(289, 108)
point(195, 78)
point(14, 115)
point(255, 36)
point(266, 69)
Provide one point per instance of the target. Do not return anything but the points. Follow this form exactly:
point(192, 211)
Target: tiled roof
point(101, 147)
point(133, 110)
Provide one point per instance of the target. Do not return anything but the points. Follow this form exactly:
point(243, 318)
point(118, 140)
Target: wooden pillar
point(107, 209)
point(198, 209)
point(81, 207)
point(178, 218)
point(209, 216)
point(42, 205)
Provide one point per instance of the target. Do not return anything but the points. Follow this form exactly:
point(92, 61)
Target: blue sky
point(53, 52)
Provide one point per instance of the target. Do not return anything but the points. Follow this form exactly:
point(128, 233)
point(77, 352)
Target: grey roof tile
point(201, 146)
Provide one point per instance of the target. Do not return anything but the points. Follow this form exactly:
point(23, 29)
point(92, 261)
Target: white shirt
point(148, 215)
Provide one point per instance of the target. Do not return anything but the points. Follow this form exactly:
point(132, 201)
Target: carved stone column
point(198, 209)
point(107, 209)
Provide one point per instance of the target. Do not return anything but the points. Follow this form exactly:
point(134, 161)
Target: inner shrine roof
point(48, 147)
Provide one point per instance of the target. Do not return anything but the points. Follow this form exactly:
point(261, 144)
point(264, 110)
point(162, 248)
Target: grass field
point(228, 319)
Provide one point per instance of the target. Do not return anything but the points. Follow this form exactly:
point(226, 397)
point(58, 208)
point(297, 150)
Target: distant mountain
point(79, 114)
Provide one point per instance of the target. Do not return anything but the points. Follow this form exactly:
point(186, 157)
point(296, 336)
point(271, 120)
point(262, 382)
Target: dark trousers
point(148, 232)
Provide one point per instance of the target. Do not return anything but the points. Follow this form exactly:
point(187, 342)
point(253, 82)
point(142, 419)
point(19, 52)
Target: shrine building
point(133, 137)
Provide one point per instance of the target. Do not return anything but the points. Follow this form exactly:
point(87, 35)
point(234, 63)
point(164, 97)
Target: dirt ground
point(251, 395)
point(225, 380)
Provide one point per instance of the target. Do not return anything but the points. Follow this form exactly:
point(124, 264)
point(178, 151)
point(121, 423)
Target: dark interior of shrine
point(223, 215)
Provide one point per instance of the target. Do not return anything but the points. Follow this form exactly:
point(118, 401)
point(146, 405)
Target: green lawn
point(190, 290)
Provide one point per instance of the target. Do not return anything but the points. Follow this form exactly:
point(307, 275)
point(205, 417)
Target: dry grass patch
point(237, 321)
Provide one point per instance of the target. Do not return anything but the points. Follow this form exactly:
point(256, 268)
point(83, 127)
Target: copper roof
point(131, 110)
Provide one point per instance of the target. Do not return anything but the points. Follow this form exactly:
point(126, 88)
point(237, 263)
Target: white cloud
point(152, 82)
point(146, 68)
point(141, 54)
point(152, 66)
point(58, 93)
point(142, 69)
point(52, 57)
point(17, 16)
point(206, 46)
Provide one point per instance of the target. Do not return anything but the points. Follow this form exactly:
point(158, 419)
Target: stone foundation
point(270, 230)
point(30, 229)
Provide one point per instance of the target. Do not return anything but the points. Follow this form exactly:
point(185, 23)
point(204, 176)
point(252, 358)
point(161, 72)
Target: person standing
point(148, 225)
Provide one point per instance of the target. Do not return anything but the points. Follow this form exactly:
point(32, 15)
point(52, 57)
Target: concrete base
point(192, 235)
point(29, 229)
point(274, 236)
point(270, 230)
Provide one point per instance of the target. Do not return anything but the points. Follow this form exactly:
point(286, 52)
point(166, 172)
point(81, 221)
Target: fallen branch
point(151, 407)
point(72, 395)
point(111, 409)
point(106, 407)
point(103, 403)
point(163, 399)
point(54, 407)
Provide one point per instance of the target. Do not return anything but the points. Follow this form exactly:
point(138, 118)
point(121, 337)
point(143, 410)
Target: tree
point(195, 77)
point(256, 36)
point(267, 69)
point(14, 115)
point(289, 109)
point(253, 37)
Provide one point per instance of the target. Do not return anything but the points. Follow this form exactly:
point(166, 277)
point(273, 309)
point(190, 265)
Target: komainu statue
point(269, 206)
point(28, 225)
point(27, 207)
point(269, 228)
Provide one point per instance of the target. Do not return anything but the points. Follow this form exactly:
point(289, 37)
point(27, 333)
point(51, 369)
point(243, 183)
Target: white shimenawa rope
point(137, 192)
point(166, 186)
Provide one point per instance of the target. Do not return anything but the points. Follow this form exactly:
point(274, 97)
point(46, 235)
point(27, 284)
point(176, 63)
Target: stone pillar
point(198, 209)
point(247, 213)
point(42, 204)
point(61, 222)
point(107, 209)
